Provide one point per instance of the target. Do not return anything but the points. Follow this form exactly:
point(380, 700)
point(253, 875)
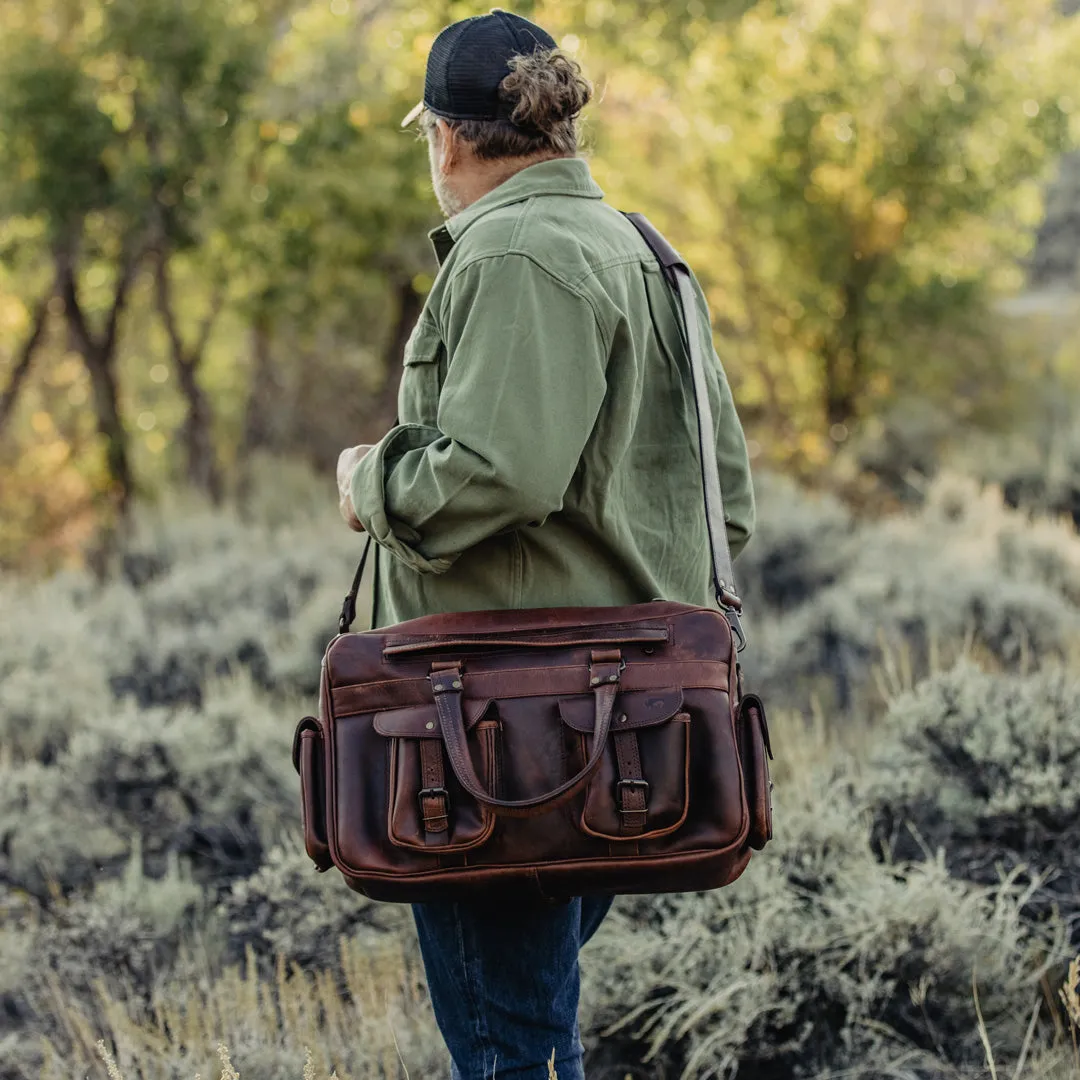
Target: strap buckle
point(634, 784)
point(431, 792)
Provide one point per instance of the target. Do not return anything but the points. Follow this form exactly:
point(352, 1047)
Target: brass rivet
point(622, 719)
point(613, 678)
point(457, 684)
point(595, 681)
point(431, 724)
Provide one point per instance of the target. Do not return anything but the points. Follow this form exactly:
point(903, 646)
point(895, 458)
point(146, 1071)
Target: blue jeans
point(504, 982)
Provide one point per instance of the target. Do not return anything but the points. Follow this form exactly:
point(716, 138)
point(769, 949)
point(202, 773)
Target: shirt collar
point(558, 176)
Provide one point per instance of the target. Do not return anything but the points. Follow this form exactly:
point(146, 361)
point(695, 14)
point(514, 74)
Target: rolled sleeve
point(369, 497)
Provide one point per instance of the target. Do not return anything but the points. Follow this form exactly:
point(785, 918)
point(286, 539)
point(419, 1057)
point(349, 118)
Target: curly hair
point(548, 91)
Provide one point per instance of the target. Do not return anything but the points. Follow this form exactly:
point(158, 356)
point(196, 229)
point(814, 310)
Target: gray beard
point(449, 203)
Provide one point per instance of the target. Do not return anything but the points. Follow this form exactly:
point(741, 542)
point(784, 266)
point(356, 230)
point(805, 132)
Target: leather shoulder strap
point(678, 274)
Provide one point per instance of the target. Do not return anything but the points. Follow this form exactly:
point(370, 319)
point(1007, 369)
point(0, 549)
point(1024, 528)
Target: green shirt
point(546, 454)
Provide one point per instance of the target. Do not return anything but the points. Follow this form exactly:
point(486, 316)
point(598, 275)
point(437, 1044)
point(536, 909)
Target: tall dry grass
point(359, 1024)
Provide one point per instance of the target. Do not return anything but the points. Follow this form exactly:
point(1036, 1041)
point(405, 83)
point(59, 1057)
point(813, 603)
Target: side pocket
point(309, 762)
point(755, 751)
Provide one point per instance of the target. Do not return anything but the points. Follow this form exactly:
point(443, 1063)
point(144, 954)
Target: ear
point(448, 145)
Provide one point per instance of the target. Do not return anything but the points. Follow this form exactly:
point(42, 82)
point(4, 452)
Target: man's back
point(546, 456)
point(547, 453)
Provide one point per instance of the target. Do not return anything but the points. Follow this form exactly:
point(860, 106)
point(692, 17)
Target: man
point(546, 456)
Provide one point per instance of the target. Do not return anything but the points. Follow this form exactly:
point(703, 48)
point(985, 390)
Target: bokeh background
point(212, 250)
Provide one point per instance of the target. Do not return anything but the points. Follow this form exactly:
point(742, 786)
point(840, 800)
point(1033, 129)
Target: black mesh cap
point(469, 59)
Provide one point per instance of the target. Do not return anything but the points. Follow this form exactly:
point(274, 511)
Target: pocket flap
point(642, 708)
point(422, 721)
point(423, 344)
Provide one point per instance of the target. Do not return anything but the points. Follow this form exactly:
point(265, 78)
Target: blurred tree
point(851, 180)
point(24, 358)
point(178, 76)
point(58, 153)
point(332, 201)
point(229, 185)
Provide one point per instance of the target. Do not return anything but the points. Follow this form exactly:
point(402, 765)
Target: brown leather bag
point(557, 752)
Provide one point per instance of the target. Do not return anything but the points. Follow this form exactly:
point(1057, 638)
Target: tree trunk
point(99, 356)
point(845, 360)
point(260, 404)
point(106, 405)
point(26, 358)
point(409, 306)
point(202, 465)
point(257, 424)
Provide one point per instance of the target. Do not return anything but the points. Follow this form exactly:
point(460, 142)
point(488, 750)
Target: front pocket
point(429, 810)
point(641, 789)
point(421, 380)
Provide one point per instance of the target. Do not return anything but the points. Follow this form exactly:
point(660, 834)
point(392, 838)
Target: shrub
point(986, 768)
point(212, 596)
point(962, 566)
point(820, 960)
point(801, 544)
point(287, 909)
point(145, 725)
point(210, 785)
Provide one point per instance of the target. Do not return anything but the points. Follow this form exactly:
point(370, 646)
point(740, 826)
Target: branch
point(129, 264)
point(163, 295)
point(65, 278)
point(26, 356)
point(217, 302)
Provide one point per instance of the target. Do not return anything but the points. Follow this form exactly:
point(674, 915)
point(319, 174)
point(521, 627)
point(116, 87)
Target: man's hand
point(346, 462)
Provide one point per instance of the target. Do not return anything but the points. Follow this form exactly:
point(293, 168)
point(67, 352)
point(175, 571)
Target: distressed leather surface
point(527, 688)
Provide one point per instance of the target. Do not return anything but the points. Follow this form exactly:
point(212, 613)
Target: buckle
point(634, 784)
point(432, 791)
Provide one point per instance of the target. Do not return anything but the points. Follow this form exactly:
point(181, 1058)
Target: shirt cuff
point(367, 489)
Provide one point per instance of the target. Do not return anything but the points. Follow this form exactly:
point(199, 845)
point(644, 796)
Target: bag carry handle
point(522, 639)
point(446, 682)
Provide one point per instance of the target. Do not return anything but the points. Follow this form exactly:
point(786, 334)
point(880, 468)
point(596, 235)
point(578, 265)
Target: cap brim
point(413, 113)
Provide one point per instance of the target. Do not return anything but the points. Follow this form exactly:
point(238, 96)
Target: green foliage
point(55, 140)
point(853, 184)
point(850, 180)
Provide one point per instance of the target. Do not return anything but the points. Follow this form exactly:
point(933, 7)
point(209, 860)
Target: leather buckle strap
point(632, 790)
point(633, 803)
point(434, 798)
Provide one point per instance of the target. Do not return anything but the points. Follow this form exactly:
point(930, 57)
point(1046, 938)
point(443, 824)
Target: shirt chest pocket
point(421, 381)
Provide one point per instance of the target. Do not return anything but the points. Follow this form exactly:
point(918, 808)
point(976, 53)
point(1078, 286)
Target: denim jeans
point(504, 982)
